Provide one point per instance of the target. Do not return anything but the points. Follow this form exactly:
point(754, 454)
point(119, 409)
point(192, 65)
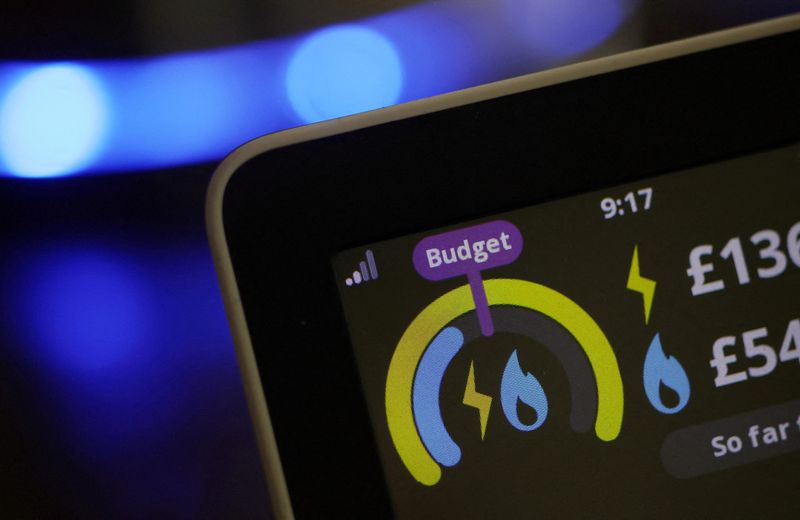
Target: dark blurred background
point(119, 390)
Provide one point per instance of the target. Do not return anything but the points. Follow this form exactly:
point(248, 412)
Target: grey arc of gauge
point(547, 332)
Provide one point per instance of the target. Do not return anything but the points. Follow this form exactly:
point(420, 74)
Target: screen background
point(570, 247)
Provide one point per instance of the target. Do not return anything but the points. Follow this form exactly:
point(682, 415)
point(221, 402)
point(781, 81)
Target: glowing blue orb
point(560, 29)
point(86, 309)
point(341, 71)
point(52, 122)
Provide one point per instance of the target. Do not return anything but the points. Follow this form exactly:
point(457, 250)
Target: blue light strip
point(125, 115)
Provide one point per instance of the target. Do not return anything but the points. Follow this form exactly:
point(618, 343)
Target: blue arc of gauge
point(517, 320)
point(427, 384)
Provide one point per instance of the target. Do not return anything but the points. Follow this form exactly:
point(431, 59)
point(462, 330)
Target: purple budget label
point(467, 250)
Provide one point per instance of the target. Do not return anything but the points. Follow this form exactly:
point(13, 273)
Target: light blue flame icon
point(660, 369)
point(521, 386)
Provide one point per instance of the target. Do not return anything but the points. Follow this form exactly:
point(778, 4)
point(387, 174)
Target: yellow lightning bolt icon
point(477, 400)
point(640, 284)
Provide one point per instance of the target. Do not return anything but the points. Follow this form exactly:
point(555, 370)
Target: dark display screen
point(629, 352)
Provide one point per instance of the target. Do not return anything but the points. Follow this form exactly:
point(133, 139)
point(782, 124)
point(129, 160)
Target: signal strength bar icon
point(367, 270)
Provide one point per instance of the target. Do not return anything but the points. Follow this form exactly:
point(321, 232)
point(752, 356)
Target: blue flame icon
point(660, 369)
point(520, 386)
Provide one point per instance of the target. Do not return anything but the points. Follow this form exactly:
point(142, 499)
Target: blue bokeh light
point(130, 339)
point(560, 29)
point(53, 121)
point(192, 107)
point(85, 309)
point(341, 71)
point(130, 374)
point(438, 48)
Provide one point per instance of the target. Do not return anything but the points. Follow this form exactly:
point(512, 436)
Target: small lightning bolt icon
point(640, 284)
point(477, 400)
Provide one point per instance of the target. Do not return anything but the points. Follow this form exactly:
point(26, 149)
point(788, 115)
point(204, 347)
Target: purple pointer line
point(481, 304)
